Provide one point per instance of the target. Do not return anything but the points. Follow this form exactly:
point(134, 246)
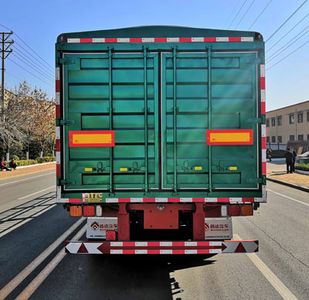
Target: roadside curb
point(301, 188)
point(301, 172)
point(42, 164)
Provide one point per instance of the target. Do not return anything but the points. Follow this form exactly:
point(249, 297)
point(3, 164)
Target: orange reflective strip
point(229, 137)
point(91, 138)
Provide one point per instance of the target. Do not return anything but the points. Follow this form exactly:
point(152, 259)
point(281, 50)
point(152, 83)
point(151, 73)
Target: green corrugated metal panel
point(160, 104)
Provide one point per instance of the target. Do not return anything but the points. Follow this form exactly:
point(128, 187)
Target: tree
point(28, 120)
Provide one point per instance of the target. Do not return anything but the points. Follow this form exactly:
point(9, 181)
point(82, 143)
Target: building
point(288, 124)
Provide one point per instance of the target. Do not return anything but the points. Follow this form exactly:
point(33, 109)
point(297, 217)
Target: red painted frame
point(209, 131)
point(72, 132)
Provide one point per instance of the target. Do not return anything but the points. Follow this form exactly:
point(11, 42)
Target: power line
point(33, 62)
point(302, 45)
point(287, 45)
point(245, 1)
point(42, 59)
point(286, 34)
point(31, 57)
point(260, 14)
point(32, 66)
point(16, 77)
point(275, 32)
point(51, 70)
point(245, 13)
point(17, 64)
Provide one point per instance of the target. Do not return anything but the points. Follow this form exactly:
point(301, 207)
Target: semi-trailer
point(161, 137)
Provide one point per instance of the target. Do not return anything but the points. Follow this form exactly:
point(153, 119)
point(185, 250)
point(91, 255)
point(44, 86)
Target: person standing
point(268, 154)
point(289, 160)
point(294, 160)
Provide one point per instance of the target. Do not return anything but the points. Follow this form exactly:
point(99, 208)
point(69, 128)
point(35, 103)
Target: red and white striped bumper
point(200, 247)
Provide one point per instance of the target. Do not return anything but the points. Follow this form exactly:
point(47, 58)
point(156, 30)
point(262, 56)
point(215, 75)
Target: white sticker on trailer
point(97, 227)
point(218, 228)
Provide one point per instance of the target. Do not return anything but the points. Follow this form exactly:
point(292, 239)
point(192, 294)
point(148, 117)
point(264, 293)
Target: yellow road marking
point(37, 281)
point(9, 287)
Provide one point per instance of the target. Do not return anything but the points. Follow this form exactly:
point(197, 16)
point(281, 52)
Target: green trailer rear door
point(200, 93)
point(160, 105)
point(115, 92)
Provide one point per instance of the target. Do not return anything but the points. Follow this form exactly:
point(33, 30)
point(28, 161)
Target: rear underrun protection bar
point(163, 247)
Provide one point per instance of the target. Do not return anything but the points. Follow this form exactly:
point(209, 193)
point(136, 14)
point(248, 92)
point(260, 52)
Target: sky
point(37, 23)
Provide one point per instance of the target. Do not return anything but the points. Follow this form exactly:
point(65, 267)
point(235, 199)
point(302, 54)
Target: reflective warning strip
point(91, 138)
point(262, 89)
point(263, 112)
point(230, 200)
point(57, 85)
point(58, 164)
point(58, 154)
point(162, 40)
point(199, 247)
point(263, 137)
point(165, 251)
point(179, 200)
point(167, 244)
point(58, 141)
point(221, 137)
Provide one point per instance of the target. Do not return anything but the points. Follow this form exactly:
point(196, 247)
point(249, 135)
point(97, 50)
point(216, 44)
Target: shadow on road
point(117, 277)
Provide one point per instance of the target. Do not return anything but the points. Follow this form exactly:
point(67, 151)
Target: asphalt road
point(279, 270)
point(18, 190)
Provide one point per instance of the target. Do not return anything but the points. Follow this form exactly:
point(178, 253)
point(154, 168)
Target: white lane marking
point(287, 197)
point(24, 197)
point(25, 221)
point(14, 227)
point(37, 281)
point(44, 210)
point(26, 179)
point(8, 288)
point(278, 285)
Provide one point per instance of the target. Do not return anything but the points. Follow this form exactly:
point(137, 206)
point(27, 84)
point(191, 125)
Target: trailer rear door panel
point(159, 107)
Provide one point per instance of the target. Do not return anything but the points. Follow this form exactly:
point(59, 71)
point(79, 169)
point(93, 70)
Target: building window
point(291, 119)
point(279, 120)
point(273, 122)
point(273, 139)
point(267, 122)
point(292, 138)
point(268, 138)
point(307, 137)
point(300, 118)
point(300, 137)
point(279, 139)
point(307, 116)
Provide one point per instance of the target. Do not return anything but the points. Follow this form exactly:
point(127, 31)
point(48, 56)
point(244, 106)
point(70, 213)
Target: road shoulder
point(29, 170)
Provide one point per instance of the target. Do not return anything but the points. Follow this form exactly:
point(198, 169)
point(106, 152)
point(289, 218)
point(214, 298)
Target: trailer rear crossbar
point(163, 247)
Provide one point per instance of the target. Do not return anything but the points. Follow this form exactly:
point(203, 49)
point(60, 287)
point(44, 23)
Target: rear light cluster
point(85, 210)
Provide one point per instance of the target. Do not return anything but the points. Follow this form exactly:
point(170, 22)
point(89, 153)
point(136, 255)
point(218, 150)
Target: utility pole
point(5, 52)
